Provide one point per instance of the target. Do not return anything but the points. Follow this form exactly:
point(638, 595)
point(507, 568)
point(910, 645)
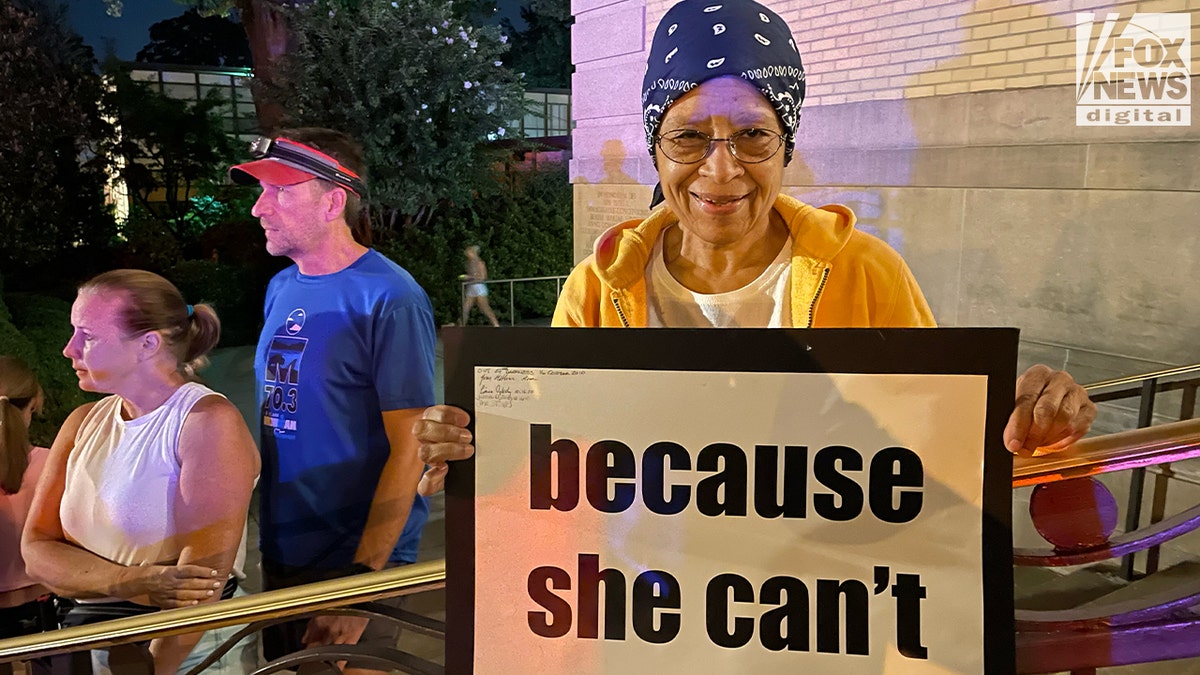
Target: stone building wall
point(949, 126)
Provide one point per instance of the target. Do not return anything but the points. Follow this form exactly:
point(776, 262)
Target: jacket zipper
point(620, 312)
point(812, 308)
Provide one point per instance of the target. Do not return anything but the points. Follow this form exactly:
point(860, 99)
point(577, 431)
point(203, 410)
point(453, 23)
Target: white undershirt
point(762, 303)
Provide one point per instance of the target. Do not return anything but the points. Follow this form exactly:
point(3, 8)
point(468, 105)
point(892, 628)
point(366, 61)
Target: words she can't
point(888, 487)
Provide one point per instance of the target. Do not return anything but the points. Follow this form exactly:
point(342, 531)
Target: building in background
point(188, 83)
point(546, 122)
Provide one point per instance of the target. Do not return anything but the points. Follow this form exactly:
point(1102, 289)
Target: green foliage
point(39, 328)
point(522, 222)
point(52, 177)
point(417, 87)
point(147, 242)
point(542, 51)
point(170, 148)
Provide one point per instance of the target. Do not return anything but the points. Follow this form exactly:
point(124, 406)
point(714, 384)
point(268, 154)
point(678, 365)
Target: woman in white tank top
point(145, 493)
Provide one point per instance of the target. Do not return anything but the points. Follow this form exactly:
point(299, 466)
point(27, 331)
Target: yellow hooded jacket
point(841, 278)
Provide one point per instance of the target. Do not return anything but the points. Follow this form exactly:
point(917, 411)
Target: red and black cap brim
point(288, 162)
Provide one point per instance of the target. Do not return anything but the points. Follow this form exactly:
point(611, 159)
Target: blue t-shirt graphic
point(335, 351)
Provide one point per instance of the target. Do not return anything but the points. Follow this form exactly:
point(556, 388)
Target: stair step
point(1161, 582)
point(1043, 589)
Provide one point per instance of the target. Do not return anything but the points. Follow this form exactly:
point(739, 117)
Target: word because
point(894, 479)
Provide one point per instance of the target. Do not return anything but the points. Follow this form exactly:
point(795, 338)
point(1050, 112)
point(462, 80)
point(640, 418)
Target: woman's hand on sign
point(442, 433)
point(1052, 412)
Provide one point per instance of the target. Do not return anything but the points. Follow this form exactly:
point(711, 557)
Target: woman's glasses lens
point(751, 146)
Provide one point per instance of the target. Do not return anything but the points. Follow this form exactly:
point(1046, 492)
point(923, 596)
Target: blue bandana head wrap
point(699, 40)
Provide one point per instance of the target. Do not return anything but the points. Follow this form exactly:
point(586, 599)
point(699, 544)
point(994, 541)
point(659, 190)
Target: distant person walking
point(476, 290)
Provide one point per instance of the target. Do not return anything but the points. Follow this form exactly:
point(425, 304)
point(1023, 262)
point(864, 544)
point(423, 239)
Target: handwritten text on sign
point(703, 522)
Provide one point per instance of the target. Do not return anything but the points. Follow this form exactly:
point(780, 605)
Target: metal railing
point(1146, 388)
point(260, 608)
point(512, 314)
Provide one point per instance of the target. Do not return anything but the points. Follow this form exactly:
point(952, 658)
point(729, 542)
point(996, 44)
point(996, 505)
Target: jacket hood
point(620, 254)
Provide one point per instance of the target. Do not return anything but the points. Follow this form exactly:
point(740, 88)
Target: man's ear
point(337, 203)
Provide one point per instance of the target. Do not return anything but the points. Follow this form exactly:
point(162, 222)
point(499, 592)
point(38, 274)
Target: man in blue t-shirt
point(344, 368)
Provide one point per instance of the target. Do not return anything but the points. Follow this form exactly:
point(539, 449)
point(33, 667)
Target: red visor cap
point(276, 170)
point(269, 170)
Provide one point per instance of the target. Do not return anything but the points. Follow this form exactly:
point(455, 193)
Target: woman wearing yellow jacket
point(721, 105)
point(839, 277)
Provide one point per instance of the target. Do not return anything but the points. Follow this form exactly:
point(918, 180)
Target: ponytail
point(204, 330)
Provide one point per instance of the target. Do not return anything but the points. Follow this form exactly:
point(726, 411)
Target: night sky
point(128, 34)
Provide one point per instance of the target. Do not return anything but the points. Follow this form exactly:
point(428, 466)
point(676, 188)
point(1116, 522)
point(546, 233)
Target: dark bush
point(147, 243)
point(229, 290)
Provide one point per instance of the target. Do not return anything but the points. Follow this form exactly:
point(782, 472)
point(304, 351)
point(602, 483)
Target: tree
point(169, 147)
point(268, 33)
point(271, 36)
point(419, 88)
point(194, 40)
point(543, 50)
point(53, 176)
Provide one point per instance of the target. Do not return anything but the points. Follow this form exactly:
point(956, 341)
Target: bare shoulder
point(214, 414)
point(214, 407)
point(65, 440)
point(215, 428)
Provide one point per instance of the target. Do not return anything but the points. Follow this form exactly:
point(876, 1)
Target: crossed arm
point(218, 467)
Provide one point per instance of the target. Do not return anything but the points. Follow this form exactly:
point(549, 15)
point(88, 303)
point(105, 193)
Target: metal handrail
point(404, 580)
point(512, 314)
point(1087, 457)
point(1138, 379)
point(1086, 350)
point(1135, 448)
point(503, 281)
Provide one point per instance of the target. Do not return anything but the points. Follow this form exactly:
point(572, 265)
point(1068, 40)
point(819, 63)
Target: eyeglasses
point(749, 146)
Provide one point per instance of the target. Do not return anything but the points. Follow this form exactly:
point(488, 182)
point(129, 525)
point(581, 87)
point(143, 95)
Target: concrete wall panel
point(599, 207)
point(1047, 115)
point(609, 31)
point(1145, 166)
point(611, 151)
point(613, 86)
point(1110, 271)
point(923, 224)
point(580, 6)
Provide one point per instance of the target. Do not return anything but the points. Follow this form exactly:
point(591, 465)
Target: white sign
point(1133, 72)
point(714, 522)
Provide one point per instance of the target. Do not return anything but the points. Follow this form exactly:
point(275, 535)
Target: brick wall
point(858, 50)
